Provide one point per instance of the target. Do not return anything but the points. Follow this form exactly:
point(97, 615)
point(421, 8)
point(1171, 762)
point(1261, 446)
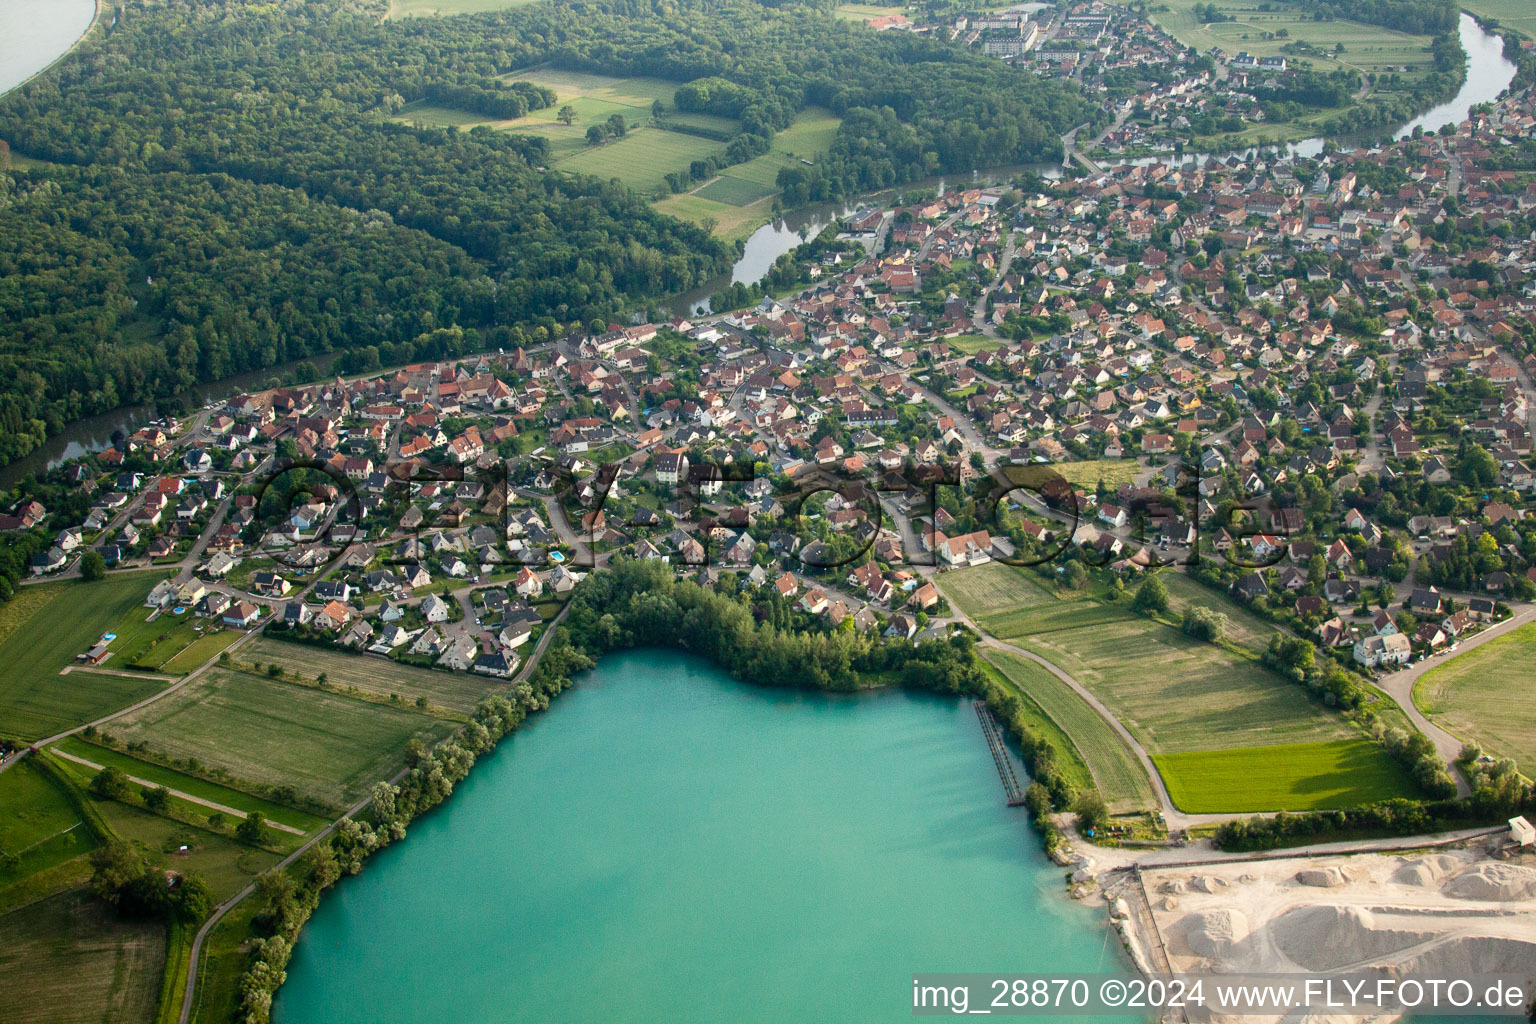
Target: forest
point(226, 189)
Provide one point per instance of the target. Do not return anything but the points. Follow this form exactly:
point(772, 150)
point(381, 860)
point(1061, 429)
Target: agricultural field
point(993, 588)
point(1119, 776)
point(182, 783)
point(1175, 693)
point(328, 746)
point(1367, 48)
point(38, 825)
point(1296, 777)
point(734, 191)
point(460, 691)
point(42, 634)
point(1486, 695)
point(71, 960)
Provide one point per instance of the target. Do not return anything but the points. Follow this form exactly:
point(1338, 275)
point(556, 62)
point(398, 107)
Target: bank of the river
point(36, 33)
point(672, 845)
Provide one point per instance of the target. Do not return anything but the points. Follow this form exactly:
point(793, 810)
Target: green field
point(807, 138)
point(1244, 627)
point(1296, 777)
point(734, 191)
point(642, 158)
point(1082, 732)
point(1487, 695)
point(970, 344)
point(169, 643)
point(329, 746)
point(1367, 48)
point(1170, 691)
point(201, 650)
point(1519, 15)
point(1176, 693)
point(183, 783)
point(43, 633)
point(227, 866)
point(38, 825)
point(993, 588)
point(460, 691)
point(1113, 472)
point(71, 960)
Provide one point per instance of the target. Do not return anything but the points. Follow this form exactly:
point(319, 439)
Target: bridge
point(1000, 756)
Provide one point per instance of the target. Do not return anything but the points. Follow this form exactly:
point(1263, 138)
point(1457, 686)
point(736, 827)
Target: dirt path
point(67, 669)
point(225, 808)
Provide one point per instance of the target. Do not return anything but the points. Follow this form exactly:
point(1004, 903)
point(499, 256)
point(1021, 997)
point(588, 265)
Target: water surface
point(668, 845)
point(35, 33)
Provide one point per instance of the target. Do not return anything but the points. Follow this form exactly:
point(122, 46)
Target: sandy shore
point(1449, 911)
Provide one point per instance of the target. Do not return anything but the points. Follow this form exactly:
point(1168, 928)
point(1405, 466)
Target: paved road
point(979, 313)
point(1399, 685)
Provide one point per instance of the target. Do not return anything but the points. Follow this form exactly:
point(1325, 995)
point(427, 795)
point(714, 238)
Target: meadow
point(71, 960)
point(1486, 695)
point(1295, 777)
point(43, 632)
point(1367, 48)
point(39, 827)
point(729, 206)
point(1080, 733)
point(328, 746)
point(641, 159)
point(227, 866)
point(1243, 627)
point(1088, 475)
point(460, 691)
point(170, 778)
point(993, 588)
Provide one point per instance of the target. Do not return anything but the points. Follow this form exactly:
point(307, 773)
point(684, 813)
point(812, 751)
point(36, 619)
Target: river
point(35, 33)
point(94, 433)
point(668, 844)
point(1488, 74)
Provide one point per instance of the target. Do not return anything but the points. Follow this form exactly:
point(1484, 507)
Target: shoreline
point(98, 7)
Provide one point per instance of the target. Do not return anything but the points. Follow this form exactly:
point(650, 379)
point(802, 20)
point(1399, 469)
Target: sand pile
point(1214, 934)
point(1464, 956)
point(1324, 937)
point(1207, 883)
point(1326, 878)
point(1426, 871)
point(1493, 881)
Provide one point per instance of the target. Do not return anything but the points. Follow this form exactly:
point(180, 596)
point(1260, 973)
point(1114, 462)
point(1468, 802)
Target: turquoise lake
point(667, 844)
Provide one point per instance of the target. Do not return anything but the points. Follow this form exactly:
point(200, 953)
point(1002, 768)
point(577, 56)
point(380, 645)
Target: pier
point(994, 734)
